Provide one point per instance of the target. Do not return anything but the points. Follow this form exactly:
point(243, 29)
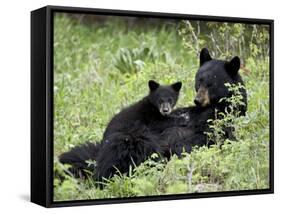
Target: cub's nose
point(165, 110)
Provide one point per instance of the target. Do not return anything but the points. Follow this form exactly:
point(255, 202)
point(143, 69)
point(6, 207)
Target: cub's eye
point(209, 84)
point(170, 100)
point(160, 101)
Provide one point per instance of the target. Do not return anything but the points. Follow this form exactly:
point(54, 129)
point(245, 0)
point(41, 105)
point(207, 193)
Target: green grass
point(99, 69)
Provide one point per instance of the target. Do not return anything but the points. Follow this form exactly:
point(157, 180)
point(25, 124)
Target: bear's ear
point(176, 86)
point(233, 66)
point(204, 56)
point(153, 85)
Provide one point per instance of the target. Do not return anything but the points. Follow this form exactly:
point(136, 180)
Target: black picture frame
point(42, 105)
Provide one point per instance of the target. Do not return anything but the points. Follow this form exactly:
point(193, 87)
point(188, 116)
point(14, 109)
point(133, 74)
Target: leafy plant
point(226, 120)
point(133, 60)
point(226, 39)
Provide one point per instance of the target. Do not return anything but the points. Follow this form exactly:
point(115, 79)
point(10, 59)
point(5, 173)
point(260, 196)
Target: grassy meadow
point(102, 66)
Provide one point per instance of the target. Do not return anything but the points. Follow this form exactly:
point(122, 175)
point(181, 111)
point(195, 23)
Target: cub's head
point(211, 78)
point(164, 97)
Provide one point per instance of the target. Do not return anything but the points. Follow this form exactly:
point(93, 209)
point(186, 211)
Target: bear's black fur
point(78, 156)
point(175, 140)
point(130, 136)
point(210, 88)
point(122, 150)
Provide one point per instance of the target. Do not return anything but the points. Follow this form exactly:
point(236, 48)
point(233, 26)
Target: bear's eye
point(209, 84)
point(160, 101)
point(170, 100)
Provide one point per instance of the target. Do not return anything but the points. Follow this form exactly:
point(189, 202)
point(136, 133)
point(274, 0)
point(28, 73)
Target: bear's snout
point(197, 101)
point(202, 98)
point(165, 109)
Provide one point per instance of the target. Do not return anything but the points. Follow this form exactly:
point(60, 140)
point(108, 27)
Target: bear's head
point(163, 97)
point(211, 78)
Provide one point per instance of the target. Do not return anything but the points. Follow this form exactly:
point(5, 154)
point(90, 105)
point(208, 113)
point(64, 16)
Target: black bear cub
point(210, 87)
point(152, 111)
point(131, 135)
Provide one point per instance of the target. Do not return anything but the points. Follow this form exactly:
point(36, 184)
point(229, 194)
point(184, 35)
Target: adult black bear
point(130, 136)
point(210, 86)
point(211, 78)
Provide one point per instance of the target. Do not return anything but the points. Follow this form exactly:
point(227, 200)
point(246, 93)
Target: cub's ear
point(204, 56)
point(153, 85)
point(176, 86)
point(233, 66)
